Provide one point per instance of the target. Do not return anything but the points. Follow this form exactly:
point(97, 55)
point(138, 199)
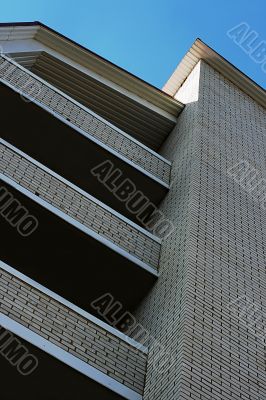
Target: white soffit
point(108, 70)
point(138, 108)
point(85, 57)
point(200, 51)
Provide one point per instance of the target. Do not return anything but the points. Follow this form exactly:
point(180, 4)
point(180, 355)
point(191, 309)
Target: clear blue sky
point(148, 37)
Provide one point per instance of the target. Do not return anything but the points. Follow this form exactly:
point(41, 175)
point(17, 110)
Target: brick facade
point(217, 253)
point(206, 314)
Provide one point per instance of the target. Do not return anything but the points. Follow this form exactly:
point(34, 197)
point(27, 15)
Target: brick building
point(133, 226)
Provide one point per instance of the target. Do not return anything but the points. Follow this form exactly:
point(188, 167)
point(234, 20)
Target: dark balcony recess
point(52, 380)
point(70, 262)
point(67, 152)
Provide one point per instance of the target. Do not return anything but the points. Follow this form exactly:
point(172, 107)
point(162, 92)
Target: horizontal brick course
point(77, 335)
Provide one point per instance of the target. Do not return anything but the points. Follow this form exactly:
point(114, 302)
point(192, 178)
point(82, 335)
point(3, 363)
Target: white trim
point(201, 51)
point(82, 192)
point(68, 358)
point(80, 226)
point(11, 33)
point(85, 60)
point(20, 45)
point(73, 307)
point(168, 108)
point(89, 111)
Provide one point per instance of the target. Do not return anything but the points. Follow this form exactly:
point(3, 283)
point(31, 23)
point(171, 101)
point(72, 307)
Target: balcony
point(80, 243)
point(71, 139)
point(76, 352)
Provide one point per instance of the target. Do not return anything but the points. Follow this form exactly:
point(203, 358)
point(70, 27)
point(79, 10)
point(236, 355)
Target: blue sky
point(148, 37)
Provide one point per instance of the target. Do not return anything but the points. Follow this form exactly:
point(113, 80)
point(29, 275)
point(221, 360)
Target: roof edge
point(118, 74)
point(29, 23)
point(201, 51)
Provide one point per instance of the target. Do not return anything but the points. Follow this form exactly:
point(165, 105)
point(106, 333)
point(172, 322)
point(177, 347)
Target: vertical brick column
point(217, 253)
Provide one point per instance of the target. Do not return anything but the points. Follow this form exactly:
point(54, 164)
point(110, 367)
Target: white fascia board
point(18, 32)
point(201, 51)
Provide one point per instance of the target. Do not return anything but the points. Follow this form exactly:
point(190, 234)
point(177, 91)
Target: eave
point(200, 51)
point(51, 38)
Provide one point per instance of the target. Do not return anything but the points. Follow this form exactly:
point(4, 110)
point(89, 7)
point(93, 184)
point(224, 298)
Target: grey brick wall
point(217, 253)
point(79, 207)
point(130, 149)
point(72, 332)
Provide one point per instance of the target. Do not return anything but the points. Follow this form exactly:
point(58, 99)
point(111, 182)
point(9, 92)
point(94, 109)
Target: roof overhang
point(149, 125)
point(131, 104)
point(80, 54)
point(200, 51)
